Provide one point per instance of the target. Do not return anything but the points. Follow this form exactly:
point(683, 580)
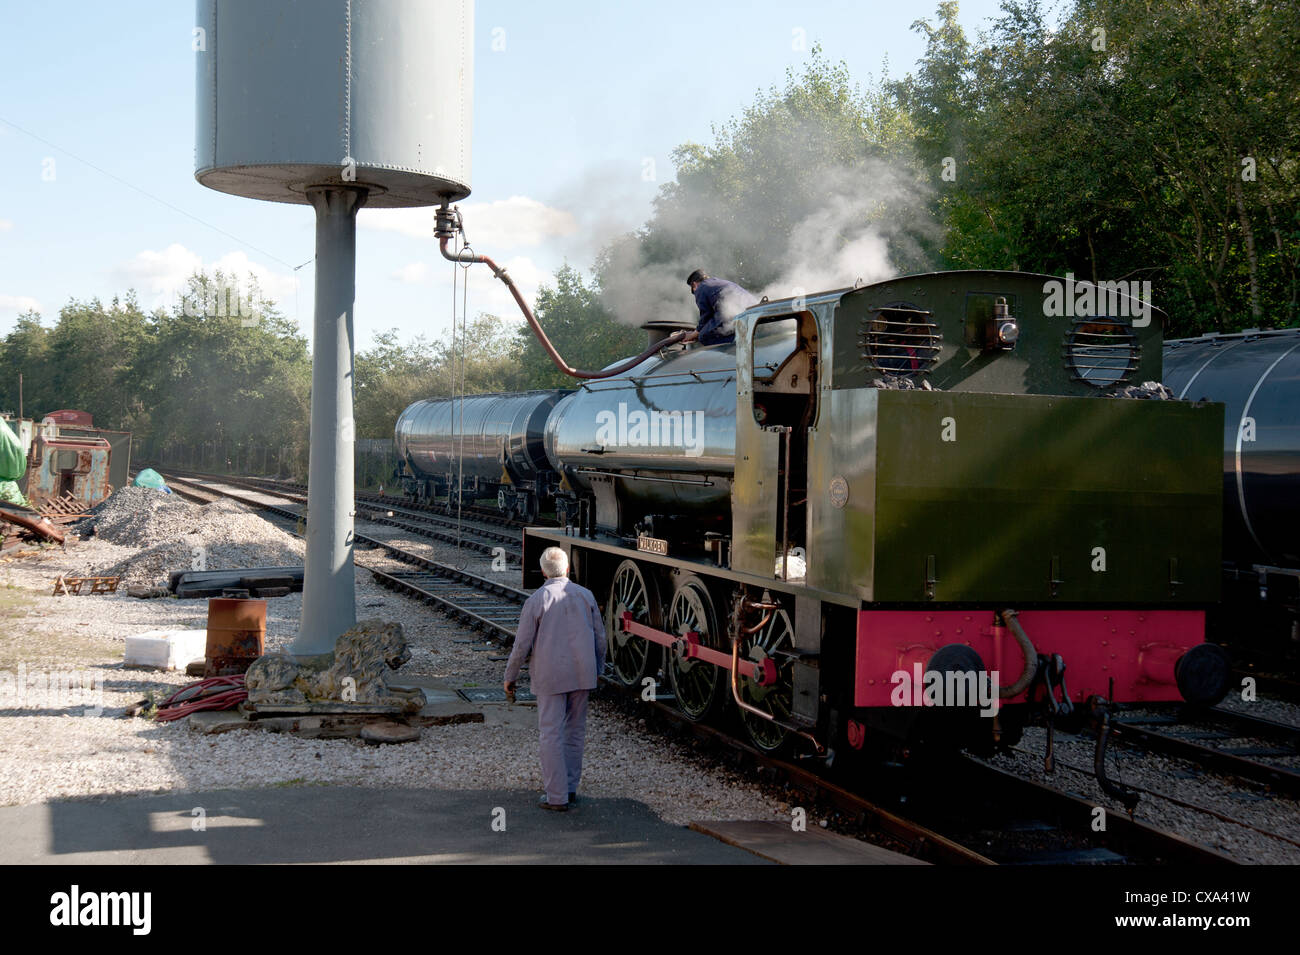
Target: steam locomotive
point(887, 510)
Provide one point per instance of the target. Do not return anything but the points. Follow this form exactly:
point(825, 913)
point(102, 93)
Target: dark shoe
point(544, 804)
point(573, 799)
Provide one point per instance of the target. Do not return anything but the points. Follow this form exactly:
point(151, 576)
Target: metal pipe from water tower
point(329, 584)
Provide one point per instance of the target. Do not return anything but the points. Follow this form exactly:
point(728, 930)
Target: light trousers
point(562, 732)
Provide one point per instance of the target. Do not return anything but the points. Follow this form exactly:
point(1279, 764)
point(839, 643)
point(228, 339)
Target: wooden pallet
point(73, 585)
point(60, 506)
point(65, 509)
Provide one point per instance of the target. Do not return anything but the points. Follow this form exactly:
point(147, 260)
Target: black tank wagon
point(1256, 374)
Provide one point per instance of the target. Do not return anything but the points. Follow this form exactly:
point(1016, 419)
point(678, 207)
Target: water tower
point(336, 104)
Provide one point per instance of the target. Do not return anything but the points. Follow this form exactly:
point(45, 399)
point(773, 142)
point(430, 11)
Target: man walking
point(561, 627)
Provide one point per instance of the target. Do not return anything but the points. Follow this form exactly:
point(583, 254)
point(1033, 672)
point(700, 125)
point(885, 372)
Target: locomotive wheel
point(773, 642)
point(697, 685)
point(631, 658)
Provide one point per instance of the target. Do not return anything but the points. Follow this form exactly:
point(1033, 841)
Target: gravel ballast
point(54, 751)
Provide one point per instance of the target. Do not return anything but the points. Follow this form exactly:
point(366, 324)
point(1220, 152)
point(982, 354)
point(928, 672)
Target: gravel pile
point(127, 515)
point(175, 534)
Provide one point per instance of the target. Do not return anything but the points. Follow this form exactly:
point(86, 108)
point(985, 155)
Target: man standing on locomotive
point(561, 627)
point(719, 301)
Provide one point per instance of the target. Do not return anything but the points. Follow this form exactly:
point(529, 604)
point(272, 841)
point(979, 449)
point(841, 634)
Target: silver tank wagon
point(491, 443)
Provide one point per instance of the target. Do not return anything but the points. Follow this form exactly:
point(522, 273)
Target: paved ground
point(338, 824)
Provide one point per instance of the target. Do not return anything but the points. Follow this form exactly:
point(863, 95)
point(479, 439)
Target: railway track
point(1201, 738)
point(478, 602)
point(478, 536)
point(1002, 819)
point(389, 511)
point(484, 605)
point(474, 512)
point(1280, 685)
point(1047, 826)
point(1014, 820)
point(1022, 822)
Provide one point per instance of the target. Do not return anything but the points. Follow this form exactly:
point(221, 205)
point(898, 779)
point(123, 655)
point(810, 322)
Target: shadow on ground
point(339, 824)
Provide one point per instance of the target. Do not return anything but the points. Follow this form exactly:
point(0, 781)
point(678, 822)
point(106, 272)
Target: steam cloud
point(864, 220)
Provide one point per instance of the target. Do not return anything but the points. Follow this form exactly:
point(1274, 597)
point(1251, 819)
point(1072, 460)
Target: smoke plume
point(832, 225)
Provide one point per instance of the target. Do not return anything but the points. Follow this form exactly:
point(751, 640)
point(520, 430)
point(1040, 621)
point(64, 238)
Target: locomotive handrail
point(644, 477)
point(635, 382)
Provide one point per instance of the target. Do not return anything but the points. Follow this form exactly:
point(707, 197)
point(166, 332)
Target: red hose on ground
point(214, 693)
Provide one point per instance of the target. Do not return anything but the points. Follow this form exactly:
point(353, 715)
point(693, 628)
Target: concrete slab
point(216, 721)
point(438, 694)
point(777, 842)
point(326, 726)
point(340, 824)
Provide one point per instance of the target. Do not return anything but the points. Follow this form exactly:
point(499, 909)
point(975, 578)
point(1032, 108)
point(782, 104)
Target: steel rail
point(492, 547)
point(1280, 779)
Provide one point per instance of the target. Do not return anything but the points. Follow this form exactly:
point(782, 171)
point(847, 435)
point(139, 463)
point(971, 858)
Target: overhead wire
point(459, 347)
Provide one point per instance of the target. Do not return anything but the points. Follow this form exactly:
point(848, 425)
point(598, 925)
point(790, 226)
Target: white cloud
point(505, 224)
point(163, 275)
point(5, 225)
point(412, 273)
point(412, 222)
point(19, 304)
point(527, 275)
point(160, 273)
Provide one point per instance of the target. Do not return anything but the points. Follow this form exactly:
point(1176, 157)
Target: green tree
point(813, 186)
point(93, 352)
point(227, 388)
point(391, 374)
point(581, 330)
point(26, 351)
point(1116, 145)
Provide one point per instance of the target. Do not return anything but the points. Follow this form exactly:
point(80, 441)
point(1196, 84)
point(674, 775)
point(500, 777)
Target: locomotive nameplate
point(652, 545)
point(839, 491)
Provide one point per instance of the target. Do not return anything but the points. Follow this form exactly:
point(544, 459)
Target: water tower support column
point(329, 588)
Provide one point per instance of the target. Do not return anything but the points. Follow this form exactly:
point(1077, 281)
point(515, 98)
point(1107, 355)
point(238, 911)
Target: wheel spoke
point(695, 682)
point(630, 593)
point(775, 700)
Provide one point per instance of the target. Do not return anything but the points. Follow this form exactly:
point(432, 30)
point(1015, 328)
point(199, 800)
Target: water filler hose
point(448, 224)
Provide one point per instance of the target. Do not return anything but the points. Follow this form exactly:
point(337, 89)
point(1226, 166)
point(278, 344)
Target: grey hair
point(555, 562)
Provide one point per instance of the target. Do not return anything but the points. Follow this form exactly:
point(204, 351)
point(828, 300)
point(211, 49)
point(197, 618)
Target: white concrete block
point(165, 649)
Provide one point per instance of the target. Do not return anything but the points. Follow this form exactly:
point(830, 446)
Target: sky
point(577, 108)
